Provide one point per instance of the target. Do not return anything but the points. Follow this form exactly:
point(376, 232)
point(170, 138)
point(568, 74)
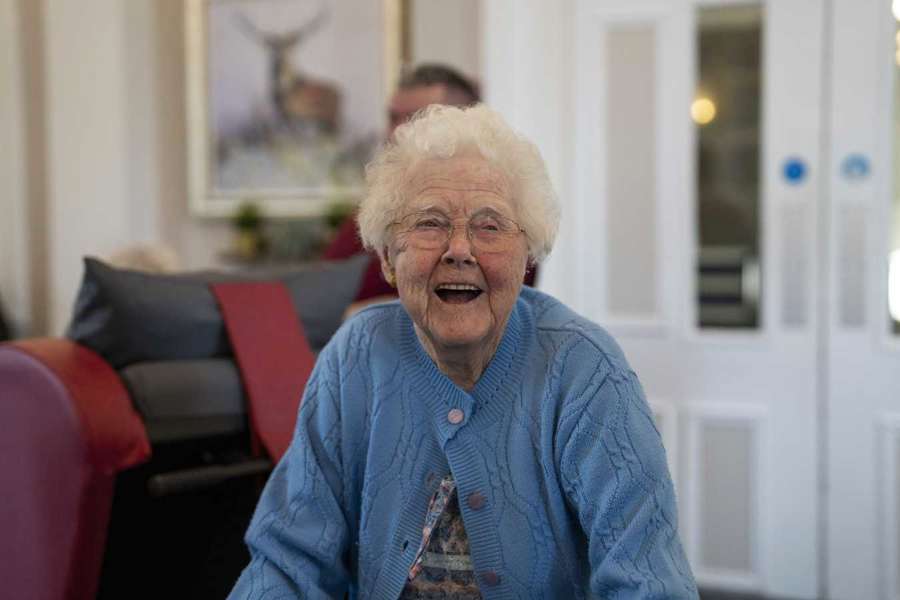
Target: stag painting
point(276, 115)
point(296, 98)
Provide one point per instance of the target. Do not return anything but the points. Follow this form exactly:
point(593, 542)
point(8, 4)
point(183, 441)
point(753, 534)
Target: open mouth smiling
point(457, 293)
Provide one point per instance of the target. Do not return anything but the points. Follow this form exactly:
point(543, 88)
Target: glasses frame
point(473, 240)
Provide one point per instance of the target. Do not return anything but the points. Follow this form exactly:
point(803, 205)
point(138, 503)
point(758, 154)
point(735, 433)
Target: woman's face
point(459, 295)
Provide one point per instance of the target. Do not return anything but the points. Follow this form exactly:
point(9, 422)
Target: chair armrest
point(67, 426)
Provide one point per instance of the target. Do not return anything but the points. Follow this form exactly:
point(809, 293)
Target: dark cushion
point(129, 316)
point(185, 399)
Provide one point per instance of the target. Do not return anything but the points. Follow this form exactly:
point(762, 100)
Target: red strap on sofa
point(272, 355)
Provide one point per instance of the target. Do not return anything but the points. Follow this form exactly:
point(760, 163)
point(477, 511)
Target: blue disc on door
point(855, 167)
point(794, 170)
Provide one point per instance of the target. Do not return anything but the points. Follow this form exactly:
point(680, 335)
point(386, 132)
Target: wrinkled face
point(459, 295)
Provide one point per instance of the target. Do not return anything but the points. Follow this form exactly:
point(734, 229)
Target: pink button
point(491, 578)
point(455, 416)
point(476, 500)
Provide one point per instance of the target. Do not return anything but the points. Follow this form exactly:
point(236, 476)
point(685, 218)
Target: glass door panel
point(726, 110)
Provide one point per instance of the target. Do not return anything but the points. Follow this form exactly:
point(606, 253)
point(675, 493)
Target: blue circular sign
point(794, 170)
point(855, 167)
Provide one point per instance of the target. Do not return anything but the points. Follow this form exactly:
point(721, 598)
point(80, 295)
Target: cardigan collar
point(495, 390)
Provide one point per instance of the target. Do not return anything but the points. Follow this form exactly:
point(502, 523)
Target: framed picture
point(285, 101)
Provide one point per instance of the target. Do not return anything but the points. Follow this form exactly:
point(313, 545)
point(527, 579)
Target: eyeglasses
point(487, 230)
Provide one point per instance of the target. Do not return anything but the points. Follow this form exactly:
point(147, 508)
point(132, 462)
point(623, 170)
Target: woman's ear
point(530, 266)
point(387, 269)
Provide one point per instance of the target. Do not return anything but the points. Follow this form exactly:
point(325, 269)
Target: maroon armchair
point(67, 427)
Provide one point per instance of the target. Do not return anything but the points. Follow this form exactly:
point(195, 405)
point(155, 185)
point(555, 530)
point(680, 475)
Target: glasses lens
point(425, 230)
point(492, 233)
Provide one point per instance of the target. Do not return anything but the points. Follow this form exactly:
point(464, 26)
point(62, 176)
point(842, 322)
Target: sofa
point(127, 461)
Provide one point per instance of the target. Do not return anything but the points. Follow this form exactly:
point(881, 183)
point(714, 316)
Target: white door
point(863, 345)
point(732, 378)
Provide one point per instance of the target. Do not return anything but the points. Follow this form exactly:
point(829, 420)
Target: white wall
point(89, 194)
point(14, 292)
point(447, 32)
point(158, 143)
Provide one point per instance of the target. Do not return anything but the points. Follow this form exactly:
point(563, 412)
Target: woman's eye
point(486, 226)
point(428, 224)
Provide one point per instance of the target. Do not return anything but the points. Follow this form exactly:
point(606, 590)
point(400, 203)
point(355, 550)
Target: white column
point(88, 203)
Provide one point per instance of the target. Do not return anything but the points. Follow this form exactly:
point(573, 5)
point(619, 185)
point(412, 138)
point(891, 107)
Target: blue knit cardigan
point(556, 438)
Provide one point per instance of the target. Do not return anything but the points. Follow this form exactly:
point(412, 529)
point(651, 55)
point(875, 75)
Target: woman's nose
point(459, 248)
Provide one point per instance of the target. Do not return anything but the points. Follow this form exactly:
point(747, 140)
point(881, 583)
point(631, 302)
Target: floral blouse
point(443, 567)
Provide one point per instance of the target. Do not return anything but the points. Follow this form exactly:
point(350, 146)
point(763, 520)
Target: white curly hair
point(441, 131)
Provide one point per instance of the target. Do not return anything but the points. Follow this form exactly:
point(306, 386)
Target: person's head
point(457, 205)
point(425, 85)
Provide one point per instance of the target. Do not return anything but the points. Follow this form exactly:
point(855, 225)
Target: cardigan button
point(455, 416)
point(490, 578)
point(476, 500)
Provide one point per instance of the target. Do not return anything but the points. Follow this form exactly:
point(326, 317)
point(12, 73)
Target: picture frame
point(285, 101)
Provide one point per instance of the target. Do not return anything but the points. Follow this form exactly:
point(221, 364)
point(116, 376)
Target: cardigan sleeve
point(299, 537)
point(615, 474)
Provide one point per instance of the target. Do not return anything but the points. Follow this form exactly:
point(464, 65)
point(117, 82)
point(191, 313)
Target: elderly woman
point(476, 438)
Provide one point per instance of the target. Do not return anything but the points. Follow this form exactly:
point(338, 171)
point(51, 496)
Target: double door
point(728, 172)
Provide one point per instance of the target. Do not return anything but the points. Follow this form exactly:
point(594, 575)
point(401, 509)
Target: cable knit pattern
point(556, 436)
